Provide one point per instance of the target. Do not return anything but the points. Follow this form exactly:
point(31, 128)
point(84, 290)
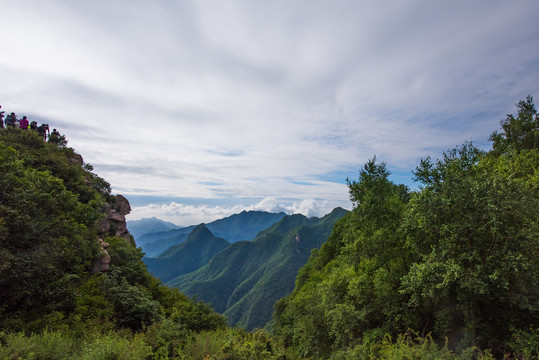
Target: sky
point(196, 110)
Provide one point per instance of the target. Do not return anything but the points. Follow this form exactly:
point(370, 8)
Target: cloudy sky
point(195, 110)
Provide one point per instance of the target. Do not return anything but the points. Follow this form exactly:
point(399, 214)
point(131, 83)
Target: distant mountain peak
point(201, 231)
point(246, 278)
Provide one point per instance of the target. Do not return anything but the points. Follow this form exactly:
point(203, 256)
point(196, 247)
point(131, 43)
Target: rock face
point(76, 159)
point(113, 225)
point(101, 263)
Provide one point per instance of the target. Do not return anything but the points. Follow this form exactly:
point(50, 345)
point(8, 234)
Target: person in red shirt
point(23, 123)
point(1, 118)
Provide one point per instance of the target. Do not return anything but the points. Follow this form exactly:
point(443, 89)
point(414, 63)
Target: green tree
point(474, 226)
point(46, 240)
point(520, 132)
point(456, 259)
point(349, 290)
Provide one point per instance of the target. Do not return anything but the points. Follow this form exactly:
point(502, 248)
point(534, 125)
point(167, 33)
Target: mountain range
point(137, 228)
point(200, 246)
point(245, 279)
point(238, 227)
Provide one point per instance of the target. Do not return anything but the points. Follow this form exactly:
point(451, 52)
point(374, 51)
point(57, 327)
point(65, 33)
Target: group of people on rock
point(12, 121)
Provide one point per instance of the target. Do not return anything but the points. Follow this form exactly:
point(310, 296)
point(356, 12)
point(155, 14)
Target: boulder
point(122, 205)
point(102, 262)
point(114, 224)
point(76, 159)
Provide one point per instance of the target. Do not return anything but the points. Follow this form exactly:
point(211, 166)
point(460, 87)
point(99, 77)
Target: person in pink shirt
point(1, 118)
point(23, 123)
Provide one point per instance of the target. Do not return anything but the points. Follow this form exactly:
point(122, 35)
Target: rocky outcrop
point(76, 159)
point(114, 224)
point(102, 262)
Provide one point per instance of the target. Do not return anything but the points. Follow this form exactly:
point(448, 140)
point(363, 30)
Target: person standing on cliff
point(23, 123)
point(1, 118)
point(11, 120)
point(42, 130)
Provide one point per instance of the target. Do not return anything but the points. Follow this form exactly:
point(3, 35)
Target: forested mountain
point(72, 284)
point(137, 228)
point(457, 260)
point(244, 280)
point(188, 256)
point(238, 227)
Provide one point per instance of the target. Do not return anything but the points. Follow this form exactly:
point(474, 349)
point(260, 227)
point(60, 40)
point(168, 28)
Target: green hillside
point(244, 280)
point(455, 262)
point(58, 221)
point(188, 256)
point(154, 244)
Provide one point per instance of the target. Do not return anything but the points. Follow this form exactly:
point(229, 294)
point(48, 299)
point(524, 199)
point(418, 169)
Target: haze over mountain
point(245, 279)
point(148, 225)
point(245, 225)
point(154, 244)
point(238, 227)
point(196, 251)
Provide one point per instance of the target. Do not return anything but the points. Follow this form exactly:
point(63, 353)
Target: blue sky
point(195, 110)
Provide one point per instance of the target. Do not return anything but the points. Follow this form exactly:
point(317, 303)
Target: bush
point(406, 348)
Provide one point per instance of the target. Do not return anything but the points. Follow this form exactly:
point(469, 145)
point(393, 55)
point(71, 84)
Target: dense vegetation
point(447, 272)
point(244, 280)
point(52, 306)
point(456, 261)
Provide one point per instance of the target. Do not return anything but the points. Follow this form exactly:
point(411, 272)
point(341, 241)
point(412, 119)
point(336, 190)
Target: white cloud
point(187, 214)
point(256, 99)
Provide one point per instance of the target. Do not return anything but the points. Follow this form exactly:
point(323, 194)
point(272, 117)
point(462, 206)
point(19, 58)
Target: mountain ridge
point(187, 256)
point(143, 226)
point(243, 226)
point(245, 279)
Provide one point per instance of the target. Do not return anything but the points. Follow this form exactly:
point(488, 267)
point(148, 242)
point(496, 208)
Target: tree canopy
point(456, 259)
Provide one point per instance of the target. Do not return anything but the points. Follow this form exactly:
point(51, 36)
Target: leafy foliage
point(456, 259)
point(49, 206)
point(520, 132)
point(350, 287)
point(245, 279)
point(46, 237)
point(475, 229)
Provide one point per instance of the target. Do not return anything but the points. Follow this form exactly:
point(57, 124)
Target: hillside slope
point(154, 244)
point(188, 256)
point(244, 226)
point(66, 259)
point(456, 260)
point(244, 280)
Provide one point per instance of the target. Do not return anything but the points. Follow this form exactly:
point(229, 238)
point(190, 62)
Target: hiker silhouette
point(23, 123)
point(43, 130)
